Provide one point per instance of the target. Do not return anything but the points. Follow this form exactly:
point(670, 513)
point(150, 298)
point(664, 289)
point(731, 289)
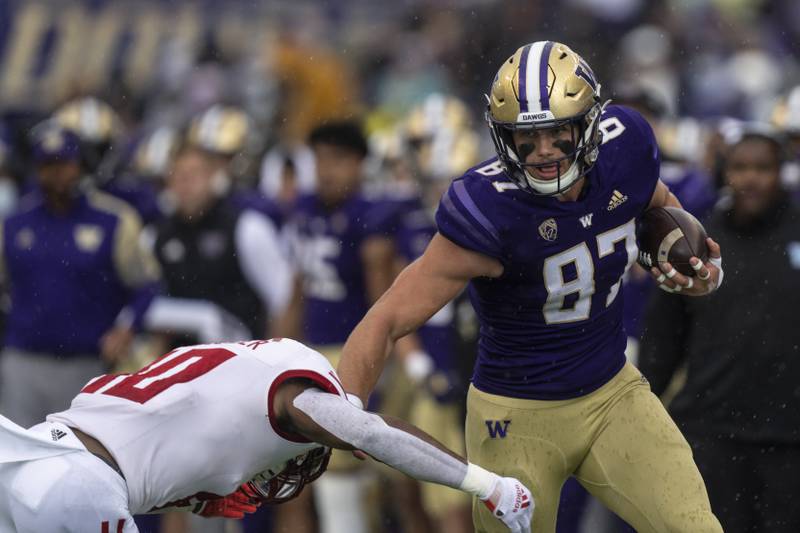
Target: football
point(670, 234)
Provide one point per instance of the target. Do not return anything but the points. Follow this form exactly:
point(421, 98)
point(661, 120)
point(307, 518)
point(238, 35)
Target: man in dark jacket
point(740, 405)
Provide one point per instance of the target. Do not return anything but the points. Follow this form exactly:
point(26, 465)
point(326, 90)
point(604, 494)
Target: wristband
point(478, 481)
point(717, 262)
point(355, 400)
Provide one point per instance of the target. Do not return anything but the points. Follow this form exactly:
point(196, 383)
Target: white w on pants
point(68, 490)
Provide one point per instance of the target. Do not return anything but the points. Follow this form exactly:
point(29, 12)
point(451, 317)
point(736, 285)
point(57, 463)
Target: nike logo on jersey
point(497, 428)
point(617, 199)
point(57, 434)
point(586, 220)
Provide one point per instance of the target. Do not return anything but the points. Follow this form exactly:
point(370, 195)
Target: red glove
point(235, 505)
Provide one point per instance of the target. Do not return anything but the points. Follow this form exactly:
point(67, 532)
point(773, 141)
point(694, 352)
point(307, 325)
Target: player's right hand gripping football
point(707, 278)
point(512, 503)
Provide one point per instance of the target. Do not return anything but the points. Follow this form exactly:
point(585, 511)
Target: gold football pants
point(618, 442)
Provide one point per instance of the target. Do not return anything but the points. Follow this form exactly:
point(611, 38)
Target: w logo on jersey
point(586, 220)
point(497, 428)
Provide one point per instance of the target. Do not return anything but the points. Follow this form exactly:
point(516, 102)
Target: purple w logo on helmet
point(584, 71)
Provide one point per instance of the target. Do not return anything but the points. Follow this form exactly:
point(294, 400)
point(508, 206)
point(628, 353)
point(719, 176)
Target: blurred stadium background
point(249, 81)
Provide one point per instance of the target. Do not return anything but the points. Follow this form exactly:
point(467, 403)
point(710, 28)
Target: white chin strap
point(554, 186)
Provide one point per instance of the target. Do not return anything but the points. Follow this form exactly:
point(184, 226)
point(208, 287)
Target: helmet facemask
point(581, 151)
point(276, 488)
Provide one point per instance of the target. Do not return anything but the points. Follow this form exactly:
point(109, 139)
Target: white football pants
point(57, 490)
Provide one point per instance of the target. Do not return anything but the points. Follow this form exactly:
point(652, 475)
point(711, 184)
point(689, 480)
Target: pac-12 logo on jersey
point(497, 428)
point(549, 229)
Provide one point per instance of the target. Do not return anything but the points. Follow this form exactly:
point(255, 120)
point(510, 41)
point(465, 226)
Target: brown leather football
point(669, 234)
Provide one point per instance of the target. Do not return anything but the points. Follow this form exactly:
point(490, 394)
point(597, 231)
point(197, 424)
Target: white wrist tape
point(479, 481)
point(717, 262)
point(355, 400)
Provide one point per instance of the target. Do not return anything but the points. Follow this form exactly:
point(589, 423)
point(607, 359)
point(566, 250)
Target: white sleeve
point(401, 450)
point(262, 258)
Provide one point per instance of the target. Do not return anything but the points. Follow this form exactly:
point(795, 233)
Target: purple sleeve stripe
point(466, 199)
point(544, 96)
point(453, 211)
point(523, 68)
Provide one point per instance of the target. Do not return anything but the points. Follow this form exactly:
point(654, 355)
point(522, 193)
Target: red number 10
point(160, 375)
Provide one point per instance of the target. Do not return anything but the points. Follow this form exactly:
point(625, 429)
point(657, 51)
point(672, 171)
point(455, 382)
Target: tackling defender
point(244, 420)
point(543, 235)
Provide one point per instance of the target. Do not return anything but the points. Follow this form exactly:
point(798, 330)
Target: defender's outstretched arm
point(331, 420)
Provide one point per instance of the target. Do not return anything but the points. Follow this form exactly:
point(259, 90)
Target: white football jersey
point(198, 419)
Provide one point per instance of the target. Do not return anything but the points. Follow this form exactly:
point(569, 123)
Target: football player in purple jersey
point(342, 242)
point(542, 235)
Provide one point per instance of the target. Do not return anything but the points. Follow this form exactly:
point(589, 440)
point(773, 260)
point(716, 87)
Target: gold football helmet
point(98, 126)
point(545, 85)
point(154, 152)
point(220, 129)
point(438, 135)
point(93, 120)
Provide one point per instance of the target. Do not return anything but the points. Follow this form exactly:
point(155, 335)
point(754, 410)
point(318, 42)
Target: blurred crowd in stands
point(203, 171)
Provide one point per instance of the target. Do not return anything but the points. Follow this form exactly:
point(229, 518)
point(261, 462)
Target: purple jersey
point(551, 325)
point(327, 245)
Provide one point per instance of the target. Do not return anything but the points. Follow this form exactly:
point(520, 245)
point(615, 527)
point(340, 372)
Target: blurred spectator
point(225, 135)
point(287, 174)
point(785, 115)
point(740, 404)
point(212, 249)
point(317, 85)
point(79, 281)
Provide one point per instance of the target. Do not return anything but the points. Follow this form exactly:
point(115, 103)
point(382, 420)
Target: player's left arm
point(708, 275)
